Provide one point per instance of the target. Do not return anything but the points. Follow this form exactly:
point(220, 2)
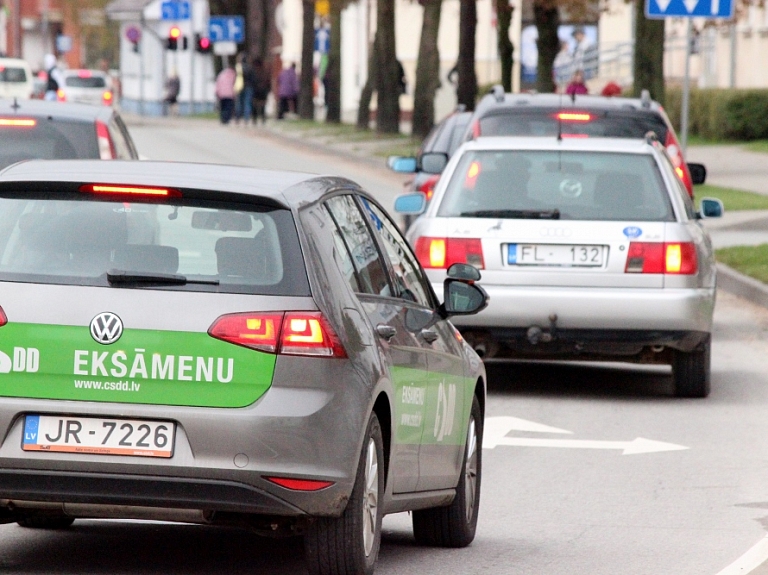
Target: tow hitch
point(535, 334)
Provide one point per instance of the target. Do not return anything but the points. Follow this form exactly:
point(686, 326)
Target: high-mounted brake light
point(290, 333)
point(574, 117)
point(130, 190)
point(300, 484)
point(441, 253)
point(18, 122)
point(106, 145)
point(83, 73)
point(677, 258)
point(574, 136)
point(3, 318)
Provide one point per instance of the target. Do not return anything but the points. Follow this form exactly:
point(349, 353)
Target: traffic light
point(203, 44)
point(172, 43)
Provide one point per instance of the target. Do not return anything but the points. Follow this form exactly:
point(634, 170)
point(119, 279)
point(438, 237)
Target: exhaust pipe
point(480, 350)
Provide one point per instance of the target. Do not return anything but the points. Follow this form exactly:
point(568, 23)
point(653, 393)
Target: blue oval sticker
point(633, 232)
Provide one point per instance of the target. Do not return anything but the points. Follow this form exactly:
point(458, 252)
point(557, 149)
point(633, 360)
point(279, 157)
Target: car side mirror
point(698, 173)
point(412, 204)
point(464, 272)
point(434, 162)
point(402, 164)
point(711, 208)
point(462, 298)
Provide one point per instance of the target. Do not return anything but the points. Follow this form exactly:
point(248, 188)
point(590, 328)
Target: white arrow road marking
point(639, 445)
point(496, 428)
point(690, 5)
point(663, 4)
point(751, 560)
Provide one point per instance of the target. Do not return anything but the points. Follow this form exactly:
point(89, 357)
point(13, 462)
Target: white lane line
point(634, 447)
point(750, 561)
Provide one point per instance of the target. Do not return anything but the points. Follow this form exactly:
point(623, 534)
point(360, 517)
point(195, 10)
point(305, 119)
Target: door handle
point(429, 336)
point(386, 331)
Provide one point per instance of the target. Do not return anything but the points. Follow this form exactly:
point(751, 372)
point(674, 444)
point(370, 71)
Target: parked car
point(92, 87)
point(500, 114)
point(225, 345)
point(16, 79)
point(590, 249)
point(36, 129)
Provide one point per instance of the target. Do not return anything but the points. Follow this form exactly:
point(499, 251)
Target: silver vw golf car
point(223, 345)
point(589, 248)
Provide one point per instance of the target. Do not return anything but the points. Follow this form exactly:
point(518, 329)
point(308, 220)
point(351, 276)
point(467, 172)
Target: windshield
point(11, 74)
point(557, 185)
point(85, 82)
point(127, 244)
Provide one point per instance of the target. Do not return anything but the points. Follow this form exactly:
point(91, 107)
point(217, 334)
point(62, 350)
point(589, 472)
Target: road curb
point(742, 285)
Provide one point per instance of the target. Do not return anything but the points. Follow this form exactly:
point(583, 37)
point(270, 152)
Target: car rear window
point(232, 249)
point(12, 74)
point(576, 122)
point(47, 140)
point(85, 82)
point(579, 185)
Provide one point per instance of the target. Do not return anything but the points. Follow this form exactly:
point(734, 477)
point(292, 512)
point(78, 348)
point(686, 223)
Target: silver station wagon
point(589, 249)
point(224, 345)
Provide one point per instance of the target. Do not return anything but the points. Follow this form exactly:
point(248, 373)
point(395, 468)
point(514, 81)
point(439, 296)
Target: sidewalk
point(732, 166)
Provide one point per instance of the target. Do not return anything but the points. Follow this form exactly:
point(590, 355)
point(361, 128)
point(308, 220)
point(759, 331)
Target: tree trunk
point(466, 91)
point(364, 110)
point(333, 70)
point(427, 70)
point(258, 18)
point(506, 49)
point(388, 76)
point(649, 54)
point(306, 90)
point(547, 20)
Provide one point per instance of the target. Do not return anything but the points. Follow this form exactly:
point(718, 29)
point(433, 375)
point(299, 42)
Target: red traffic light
point(175, 33)
point(205, 43)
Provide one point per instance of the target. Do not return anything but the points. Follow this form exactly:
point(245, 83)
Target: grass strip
point(732, 199)
point(749, 260)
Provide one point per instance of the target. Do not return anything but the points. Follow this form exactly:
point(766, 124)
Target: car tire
point(691, 371)
point(41, 521)
point(349, 545)
point(455, 524)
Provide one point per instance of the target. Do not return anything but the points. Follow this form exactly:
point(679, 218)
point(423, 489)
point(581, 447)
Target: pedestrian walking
point(577, 85)
point(262, 85)
point(172, 89)
point(225, 93)
point(562, 67)
point(243, 89)
point(287, 91)
point(585, 56)
point(55, 77)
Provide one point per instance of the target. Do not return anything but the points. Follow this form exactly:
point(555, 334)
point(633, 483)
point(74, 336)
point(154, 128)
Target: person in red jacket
point(577, 85)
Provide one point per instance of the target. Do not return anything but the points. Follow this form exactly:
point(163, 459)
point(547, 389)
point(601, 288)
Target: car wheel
point(691, 371)
point(41, 521)
point(455, 525)
point(349, 545)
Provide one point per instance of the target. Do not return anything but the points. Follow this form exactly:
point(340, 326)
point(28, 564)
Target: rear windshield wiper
point(514, 214)
point(125, 277)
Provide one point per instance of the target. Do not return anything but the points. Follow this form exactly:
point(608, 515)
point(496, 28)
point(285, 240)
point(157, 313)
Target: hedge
point(722, 114)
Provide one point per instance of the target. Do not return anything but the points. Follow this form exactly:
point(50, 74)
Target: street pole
point(686, 88)
point(732, 82)
point(17, 28)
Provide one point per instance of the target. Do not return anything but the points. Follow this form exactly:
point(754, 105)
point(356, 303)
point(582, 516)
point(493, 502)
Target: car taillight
point(60, 95)
point(290, 333)
point(106, 146)
point(83, 73)
point(299, 484)
point(111, 189)
point(106, 98)
point(3, 318)
point(476, 129)
point(662, 258)
point(441, 253)
point(681, 169)
point(428, 187)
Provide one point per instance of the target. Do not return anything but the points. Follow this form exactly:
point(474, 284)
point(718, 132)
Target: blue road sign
point(322, 40)
point(689, 8)
point(175, 10)
point(226, 29)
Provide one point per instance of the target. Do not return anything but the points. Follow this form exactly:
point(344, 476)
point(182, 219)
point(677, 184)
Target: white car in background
point(590, 249)
point(16, 79)
point(86, 87)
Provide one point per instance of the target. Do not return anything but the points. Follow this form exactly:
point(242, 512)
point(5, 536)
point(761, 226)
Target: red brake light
point(472, 172)
point(681, 169)
point(107, 97)
point(18, 122)
point(475, 129)
point(580, 117)
point(130, 190)
point(106, 145)
point(83, 73)
point(574, 136)
point(3, 318)
point(290, 333)
point(662, 258)
point(60, 95)
point(300, 484)
point(441, 253)
point(428, 187)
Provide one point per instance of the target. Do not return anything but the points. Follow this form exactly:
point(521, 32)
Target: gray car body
point(309, 424)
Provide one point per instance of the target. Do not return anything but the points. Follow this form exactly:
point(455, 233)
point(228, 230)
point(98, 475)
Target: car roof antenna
point(560, 122)
point(15, 105)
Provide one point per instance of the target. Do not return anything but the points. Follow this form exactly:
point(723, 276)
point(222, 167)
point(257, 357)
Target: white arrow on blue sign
point(689, 8)
point(174, 10)
point(226, 29)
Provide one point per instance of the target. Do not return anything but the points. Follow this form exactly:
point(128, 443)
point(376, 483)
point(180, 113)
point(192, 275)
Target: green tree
point(546, 14)
point(649, 54)
point(427, 70)
point(364, 109)
point(466, 91)
point(505, 47)
point(333, 70)
point(388, 76)
point(306, 91)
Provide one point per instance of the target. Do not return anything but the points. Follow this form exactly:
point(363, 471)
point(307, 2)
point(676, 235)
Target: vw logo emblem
point(106, 328)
